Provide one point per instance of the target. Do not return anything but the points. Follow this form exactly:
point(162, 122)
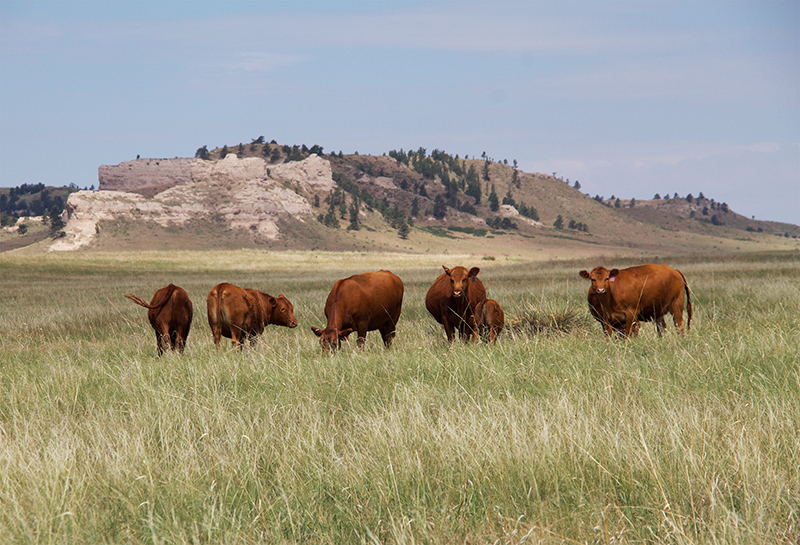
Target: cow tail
point(688, 302)
point(158, 303)
point(137, 300)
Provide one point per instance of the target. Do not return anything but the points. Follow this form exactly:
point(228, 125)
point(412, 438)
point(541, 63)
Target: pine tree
point(494, 204)
point(403, 229)
point(56, 223)
point(474, 191)
point(439, 208)
point(354, 221)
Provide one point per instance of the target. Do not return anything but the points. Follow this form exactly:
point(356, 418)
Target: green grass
point(556, 434)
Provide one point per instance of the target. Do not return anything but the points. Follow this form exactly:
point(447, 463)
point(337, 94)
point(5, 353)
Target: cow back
point(372, 298)
point(649, 288)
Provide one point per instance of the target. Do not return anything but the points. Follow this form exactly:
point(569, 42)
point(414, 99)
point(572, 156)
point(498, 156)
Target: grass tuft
point(533, 320)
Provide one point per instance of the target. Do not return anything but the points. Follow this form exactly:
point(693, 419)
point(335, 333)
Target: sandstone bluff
point(243, 193)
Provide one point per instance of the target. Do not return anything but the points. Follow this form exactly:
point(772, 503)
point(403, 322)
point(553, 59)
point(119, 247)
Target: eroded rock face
point(244, 193)
point(142, 175)
point(313, 173)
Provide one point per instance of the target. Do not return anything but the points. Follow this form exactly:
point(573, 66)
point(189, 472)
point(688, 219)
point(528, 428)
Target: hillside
point(264, 195)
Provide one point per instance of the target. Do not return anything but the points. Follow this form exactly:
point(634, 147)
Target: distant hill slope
point(264, 195)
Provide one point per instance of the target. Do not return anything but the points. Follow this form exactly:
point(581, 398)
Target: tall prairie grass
point(555, 434)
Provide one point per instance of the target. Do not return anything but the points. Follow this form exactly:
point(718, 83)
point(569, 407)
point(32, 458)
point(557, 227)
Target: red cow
point(242, 314)
point(170, 314)
point(361, 303)
point(489, 319)
point(620, 299)
point(452, 299)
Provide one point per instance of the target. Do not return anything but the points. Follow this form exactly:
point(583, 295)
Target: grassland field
point(556, 434)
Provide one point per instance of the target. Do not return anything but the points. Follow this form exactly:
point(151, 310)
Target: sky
point(630, 98)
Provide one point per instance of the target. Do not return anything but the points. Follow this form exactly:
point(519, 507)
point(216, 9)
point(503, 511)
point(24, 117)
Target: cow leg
point(472, 329)
point(362, 338)
point(158, 344)
point(253, 339)
point(677, 316)
point(388, 333)
point(661, 325)
point(237, 338)
point(448, 330)
point(465, 329)
point(180, 338)
point(180, 343)
point(216, 331)
point(631, 326)
point(162, 341)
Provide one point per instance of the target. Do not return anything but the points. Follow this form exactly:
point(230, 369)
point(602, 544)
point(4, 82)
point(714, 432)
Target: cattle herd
point(618, 299)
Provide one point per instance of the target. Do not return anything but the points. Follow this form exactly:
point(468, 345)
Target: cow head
point(460, 278)
point(282, 311)
point(601, 279)
point(330, 338)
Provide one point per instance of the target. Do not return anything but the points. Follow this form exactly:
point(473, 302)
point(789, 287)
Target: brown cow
point(361, 303)
point(489, 319)
point(620, 299)
point(170, 314)
point(452, 299)
point(242, 314)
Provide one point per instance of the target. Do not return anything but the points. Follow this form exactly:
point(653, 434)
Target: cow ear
point(446, 270)
point(474, 271)
point(345, 332)
point(317, 331)
point(614, 272)
point(585, 274)
point(273, 301)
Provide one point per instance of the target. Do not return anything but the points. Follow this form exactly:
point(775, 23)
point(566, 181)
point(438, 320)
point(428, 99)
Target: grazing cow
point(242, 314)
point(361, 303)
point(489, 319)
point(452, 299)
point(170, 314)
point(620, 299)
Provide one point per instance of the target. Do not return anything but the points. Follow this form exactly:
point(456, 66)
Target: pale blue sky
point(630, 98)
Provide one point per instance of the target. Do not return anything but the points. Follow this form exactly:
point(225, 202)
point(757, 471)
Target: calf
point(361, 303)
point(170, 314)
point(489, 319)
point(620, 299)
point(242, 314)
point(452, 299)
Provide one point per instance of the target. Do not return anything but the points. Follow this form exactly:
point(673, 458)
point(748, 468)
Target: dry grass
point(553, 435)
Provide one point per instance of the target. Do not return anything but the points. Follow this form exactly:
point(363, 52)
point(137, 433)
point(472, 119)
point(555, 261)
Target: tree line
point(29, 200)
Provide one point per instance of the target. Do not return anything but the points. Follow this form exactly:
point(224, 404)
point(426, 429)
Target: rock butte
point(247, 193)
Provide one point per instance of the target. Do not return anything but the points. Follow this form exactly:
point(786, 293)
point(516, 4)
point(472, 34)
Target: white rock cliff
point(247, 193)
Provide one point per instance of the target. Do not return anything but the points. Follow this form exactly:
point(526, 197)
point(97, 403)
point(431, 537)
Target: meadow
point(556, 434)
